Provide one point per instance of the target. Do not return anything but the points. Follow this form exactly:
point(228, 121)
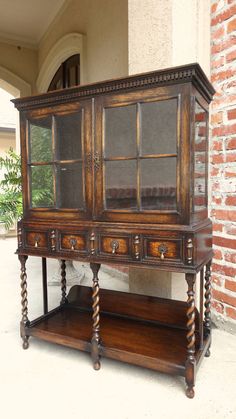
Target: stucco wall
point(105, 26)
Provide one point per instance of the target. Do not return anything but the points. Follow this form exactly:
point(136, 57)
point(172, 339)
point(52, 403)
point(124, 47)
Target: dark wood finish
point(132, 195)
point(95, 342)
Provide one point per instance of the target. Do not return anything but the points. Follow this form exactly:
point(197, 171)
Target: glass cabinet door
point(200, 158)
point(139, 158)
point(56, 153)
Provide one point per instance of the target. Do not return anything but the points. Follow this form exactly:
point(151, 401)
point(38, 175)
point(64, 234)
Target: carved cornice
point(183, 74)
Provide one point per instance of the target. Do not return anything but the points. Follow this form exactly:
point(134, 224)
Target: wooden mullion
point(138, 143)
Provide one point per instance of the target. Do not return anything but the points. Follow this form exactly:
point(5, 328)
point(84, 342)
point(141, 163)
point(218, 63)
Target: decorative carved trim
point(89, 162)
point(96, 161)
point(92, 243)
point(188, 73)
point(189, 251)
point(19, 237)
point(53, 240)
point(137, 247)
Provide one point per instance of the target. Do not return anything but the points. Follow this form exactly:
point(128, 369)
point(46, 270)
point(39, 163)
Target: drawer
point(36, 239)
point(115, 245)
point(163, 249)
point(73, 242)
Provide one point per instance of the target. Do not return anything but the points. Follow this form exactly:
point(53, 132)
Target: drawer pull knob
point(36, 241)
point(162, 250)
point(114, 246)
point(73, 243)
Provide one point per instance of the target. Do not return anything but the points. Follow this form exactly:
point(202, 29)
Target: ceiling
point(27, 20)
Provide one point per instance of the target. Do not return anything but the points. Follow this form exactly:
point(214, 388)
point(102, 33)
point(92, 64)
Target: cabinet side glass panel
point(200, 158)
point(70, 185)
point(159, 127)
point(40, 140)
point(68, 136)
point(120, 131)
point(120, 184)
point(158, 184)
point(42, 188)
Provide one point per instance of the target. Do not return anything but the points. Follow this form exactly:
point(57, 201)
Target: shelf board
point(141, 343)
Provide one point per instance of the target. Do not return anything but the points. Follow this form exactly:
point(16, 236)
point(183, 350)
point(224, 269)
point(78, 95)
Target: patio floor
point(53, 381)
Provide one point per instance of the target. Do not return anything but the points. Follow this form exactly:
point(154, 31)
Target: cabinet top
point(190, 73)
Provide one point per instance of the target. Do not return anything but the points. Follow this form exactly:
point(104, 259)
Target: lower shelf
point(134, 340)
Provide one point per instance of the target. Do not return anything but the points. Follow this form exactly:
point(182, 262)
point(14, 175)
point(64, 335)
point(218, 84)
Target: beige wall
point(105, 26)
point(22, 62)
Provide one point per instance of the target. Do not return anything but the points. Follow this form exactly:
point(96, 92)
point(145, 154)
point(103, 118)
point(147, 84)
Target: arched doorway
point(67, 75)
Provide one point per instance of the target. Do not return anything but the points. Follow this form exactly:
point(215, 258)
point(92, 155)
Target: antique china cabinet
point(116, 172)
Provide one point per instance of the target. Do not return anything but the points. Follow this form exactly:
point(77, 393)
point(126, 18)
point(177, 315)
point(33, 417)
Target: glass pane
point(120, 184)
point(69, 184)
point(120, 131)
point(40, 140)
point(200, 158)
point(158, 132)
point(42, 194)
point(158, 183)
point(68, 136)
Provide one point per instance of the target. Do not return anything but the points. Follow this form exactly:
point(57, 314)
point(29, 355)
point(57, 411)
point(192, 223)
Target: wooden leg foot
point(208, 353)
point(25, 343)
point(190, 392)
point(97, 365)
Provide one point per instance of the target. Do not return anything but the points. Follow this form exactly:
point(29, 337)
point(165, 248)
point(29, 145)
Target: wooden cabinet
point(116, 172)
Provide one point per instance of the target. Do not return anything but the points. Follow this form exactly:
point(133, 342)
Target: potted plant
point(10, 191)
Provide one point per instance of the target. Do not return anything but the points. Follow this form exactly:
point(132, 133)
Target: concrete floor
point(50, 381)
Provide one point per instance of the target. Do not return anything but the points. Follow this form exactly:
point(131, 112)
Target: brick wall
point(223, 158)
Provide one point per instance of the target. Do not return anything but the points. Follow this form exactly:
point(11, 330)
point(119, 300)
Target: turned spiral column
point(190, 362)
point(95, 342)
point(24, 302)
point(207, 304)
point(63, 282)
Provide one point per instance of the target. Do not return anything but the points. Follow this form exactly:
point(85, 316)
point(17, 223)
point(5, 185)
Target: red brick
point(214, 171)
point(230, 200)
point(231, 25)
point(217, 306)
point(218, 34)
point(217, 280)
point(218, 254)
point(231, 230)
point(217, 118)
point(223, 101)
point(230, 285)
point(223, 242)
point(226, 14)
point(218, 63)
point(230, 257)
point(222, 46)
point(231, 312)
point(217, 159)
point(230, 173)
point(222, 75)
point(214, 7)
point(224, 298)
point(224, 130)
point(231, 144)
point(227, 215)
point(230, 157)
point(231, 114)
point(223, 270)
point(217, 200)
point(217, 145)
point(231, 56)
point(217, 227)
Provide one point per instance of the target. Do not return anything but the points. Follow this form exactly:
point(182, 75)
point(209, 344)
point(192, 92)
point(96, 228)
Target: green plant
point(11, 207)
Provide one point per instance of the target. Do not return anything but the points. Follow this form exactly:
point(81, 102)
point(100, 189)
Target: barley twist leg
point(95, 342)
point(24, 302)
point(190, 362)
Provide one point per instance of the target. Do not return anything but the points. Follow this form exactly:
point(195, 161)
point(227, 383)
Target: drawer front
point(73, 242)
point(36, 239)
point(115, 245)
point(163, 249)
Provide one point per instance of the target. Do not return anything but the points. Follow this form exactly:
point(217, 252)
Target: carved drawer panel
point(36, 239)
point(163, 249)
point(115, 245)
point(73, 242)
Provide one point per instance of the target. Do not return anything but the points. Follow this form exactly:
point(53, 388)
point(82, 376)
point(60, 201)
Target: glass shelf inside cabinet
point(140, 156)
point(55, 161)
